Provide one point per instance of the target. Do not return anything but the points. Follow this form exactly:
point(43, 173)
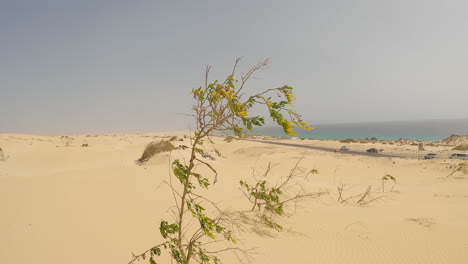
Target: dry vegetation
point(461, 147)
point(154, 148)
point(229, 139)
point(348, 140)
point(462, 167)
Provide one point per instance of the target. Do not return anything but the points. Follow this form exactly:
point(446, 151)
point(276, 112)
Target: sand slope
point(61, 202)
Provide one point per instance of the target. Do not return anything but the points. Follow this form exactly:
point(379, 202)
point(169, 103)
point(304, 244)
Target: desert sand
point(61, 202)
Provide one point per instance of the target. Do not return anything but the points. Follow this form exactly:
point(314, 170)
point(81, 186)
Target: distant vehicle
point(462, 156)
point(430, 156)
point(373, 150)
point(344, 148)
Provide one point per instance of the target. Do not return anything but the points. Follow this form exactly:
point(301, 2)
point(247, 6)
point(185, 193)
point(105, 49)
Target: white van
point(463, 156)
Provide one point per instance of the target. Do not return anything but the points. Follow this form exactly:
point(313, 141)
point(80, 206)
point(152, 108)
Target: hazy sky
point(74, 67)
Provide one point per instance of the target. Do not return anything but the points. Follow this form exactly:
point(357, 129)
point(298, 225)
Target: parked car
point(462, 156)
point(373, 150)
point(344, 148)
point(430, 156)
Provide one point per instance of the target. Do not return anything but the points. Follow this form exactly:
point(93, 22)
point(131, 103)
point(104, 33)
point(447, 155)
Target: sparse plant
point(229, 139)
point(173, 138)
point(314, 171)
point(154, 148)
point(363, 198)
point(270, 200)
point(348, 140)
point(461, 167)
point(219, 107)
point(461, 147)
point(2, 156)
point(385, 178)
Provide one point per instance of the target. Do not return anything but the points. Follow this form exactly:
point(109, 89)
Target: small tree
point(219, 106)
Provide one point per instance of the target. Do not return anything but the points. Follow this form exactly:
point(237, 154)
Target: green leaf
point(156, 251)
point(167, 229)
point(199, 150)
point(203, 182)
point(177, 256)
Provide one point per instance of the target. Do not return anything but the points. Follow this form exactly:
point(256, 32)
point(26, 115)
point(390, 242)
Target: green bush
point(154, 148)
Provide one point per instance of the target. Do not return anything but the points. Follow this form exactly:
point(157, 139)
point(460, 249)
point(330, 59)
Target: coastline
point(423, 130)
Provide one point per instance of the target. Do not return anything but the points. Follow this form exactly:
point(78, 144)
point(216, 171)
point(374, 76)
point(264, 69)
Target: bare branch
point(137, 257)
point(211, 168)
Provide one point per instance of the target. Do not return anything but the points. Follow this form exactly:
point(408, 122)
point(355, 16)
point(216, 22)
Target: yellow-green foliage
point(220, 106)
point(219, 97)
point(348, 140)
point(461, 147)
point(154, 148)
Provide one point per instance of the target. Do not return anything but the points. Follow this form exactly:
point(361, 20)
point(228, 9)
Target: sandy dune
point(64, 203)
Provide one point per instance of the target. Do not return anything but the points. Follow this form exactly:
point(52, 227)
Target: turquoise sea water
point(433, 130)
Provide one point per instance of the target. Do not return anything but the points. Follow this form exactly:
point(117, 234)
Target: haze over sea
point(426, 130)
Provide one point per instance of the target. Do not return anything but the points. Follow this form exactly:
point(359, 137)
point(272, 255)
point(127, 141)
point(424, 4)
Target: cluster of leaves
point(219, 106)
point(270, 196)
point(267, 198)
point(385, 178)
point(270, 200)
point(389, 177)
point(223, 105)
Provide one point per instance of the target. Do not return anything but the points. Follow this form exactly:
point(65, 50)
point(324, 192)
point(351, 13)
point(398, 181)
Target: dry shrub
point(2, 157)
point(173, 138)
point(462, 167)
point(461, 147)
point(154, 148)
point(229, 139)
point(348, 140)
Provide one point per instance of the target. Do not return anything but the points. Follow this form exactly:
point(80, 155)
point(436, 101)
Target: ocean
point(427, 130)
